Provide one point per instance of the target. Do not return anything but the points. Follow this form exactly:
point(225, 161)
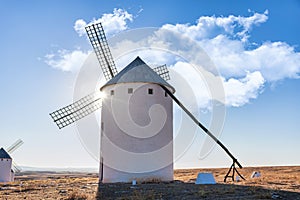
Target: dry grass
point(77, 196)
point(275, 183)
point(148, 180)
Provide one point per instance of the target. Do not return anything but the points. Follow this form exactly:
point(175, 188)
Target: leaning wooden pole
point(235, 161)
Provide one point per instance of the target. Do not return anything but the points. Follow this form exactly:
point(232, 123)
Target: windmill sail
point(14, 146)
point(163, 72)
point(90, 103)
point(16, 168)
point(98, 40)
point(77, 110)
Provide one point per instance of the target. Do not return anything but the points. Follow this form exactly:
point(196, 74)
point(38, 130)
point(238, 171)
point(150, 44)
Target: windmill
point(133, 90)
point(7, 167)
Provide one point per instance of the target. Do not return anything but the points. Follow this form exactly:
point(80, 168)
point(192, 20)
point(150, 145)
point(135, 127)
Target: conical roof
point(4, 154)
point(137, 71)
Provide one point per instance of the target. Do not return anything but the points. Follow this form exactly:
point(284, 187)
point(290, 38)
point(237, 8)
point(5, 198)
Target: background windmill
point(136, 72)
point(7, 167)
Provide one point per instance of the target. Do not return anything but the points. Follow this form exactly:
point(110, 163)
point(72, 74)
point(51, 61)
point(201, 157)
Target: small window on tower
point(150, 91)
point(112, 92)
point(166, 94)
point(130, 90)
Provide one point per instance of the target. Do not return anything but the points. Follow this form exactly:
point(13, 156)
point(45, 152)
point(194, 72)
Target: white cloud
point(240, 91)
point(67, 60)
point(220, 41)
point(79, 27)
point(244, 69)
point(275, 60)
point(237, 92)
point(211, 26)
point(112, 22)
point(197, 84)
point(72, 60)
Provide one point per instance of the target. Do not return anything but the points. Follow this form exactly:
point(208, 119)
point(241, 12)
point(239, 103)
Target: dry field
point(274, 183)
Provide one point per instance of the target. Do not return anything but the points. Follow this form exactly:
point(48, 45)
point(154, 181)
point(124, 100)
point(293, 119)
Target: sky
point(253, 47)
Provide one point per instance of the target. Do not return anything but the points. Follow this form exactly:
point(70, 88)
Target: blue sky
point(260, 67)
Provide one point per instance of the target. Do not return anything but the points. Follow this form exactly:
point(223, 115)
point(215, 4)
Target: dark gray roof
point(137, 71)
point(4, 154)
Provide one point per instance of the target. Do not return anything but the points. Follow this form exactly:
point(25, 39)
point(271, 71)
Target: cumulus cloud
point(219, 46)
point(211, 26)
point(244, 69)
point(71, 60)
point(79, 27)
point(237, 91)
point(275, 60)
point(112, 22)
point(197, 84)
point(67, 60)
point(240, 91)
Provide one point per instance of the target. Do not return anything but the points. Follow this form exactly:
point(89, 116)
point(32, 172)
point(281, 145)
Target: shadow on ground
point(181, 190)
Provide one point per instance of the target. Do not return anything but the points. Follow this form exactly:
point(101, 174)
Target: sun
point(101, 95)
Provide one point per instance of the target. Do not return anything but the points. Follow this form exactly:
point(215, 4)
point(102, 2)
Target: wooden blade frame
point(77, 110)
point(163, 72)
point(98, 40)
point(16, 168)
point(15, 146)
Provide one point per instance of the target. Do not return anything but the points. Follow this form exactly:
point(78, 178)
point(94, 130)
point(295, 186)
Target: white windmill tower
point(127, 129)
point(136, 118)
point(7, 166)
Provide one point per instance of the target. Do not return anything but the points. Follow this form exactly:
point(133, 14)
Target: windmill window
point(166, 94)
point(112, 92)
point(130, 90)
point(150, 91)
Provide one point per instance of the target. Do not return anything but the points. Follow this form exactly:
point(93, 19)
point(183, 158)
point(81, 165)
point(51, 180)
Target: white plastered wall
point(136, 133)
point(5, 168)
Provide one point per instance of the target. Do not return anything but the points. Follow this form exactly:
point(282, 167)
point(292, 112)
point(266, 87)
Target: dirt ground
point(274, 183)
